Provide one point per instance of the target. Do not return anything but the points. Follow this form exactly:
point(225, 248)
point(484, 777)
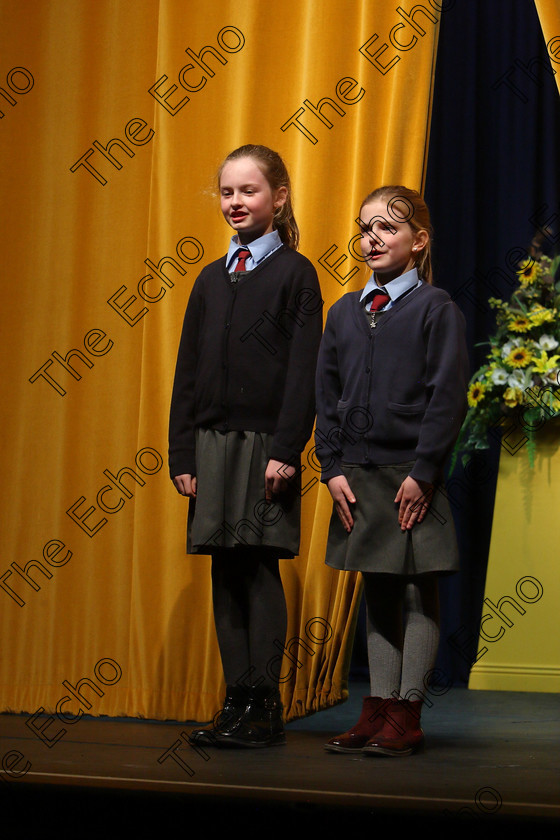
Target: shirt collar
point(395, 288)
point(260, 248)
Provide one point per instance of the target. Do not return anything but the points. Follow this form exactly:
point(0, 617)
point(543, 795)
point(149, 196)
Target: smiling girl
point(391, 397)
point(242, 412)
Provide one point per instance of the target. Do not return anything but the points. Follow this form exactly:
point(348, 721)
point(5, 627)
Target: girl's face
point(247, 201)
point(389, 246)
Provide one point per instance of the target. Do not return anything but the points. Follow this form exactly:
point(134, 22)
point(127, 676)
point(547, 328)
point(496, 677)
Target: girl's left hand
point(414, 499)
point(276, 478)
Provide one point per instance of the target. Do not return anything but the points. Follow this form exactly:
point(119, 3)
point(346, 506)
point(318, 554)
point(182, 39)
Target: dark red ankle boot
point(400, 733)
point(357, 737)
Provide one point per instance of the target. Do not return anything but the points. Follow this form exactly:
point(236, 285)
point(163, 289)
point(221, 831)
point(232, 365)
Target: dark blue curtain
point(493, 182)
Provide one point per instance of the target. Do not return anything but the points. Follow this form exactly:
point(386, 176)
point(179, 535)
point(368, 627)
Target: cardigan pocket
point(342, 408)
point(403, 422)
point(406, 408)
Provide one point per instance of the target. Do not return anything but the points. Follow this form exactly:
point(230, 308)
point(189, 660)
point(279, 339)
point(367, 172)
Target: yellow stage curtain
point(549, 16)
point(115, 118)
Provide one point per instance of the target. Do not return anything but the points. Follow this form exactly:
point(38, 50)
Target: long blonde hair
point(274, 169)
point(417, 216)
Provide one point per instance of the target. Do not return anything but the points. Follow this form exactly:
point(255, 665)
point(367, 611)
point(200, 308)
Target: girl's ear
point(421, 239)
point(280, 197)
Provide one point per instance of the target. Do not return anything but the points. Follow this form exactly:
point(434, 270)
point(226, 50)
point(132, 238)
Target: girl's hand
point(276, 478)
point(414, 499)
point(186, 485)
point(342, 496)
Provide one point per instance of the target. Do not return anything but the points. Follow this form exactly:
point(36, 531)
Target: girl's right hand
point(186, 485)
point(342, 497)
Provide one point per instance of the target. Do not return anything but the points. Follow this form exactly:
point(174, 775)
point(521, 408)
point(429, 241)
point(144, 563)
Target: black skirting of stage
point(491, 759)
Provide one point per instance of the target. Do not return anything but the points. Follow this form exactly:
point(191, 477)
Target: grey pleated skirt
point(376, 542)
point(230, 510)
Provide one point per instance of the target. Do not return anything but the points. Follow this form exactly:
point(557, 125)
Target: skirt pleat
point(376, 542)
point(230, 510)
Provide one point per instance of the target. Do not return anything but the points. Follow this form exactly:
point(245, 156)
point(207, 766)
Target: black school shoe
point(261, 723)
point(227, 719)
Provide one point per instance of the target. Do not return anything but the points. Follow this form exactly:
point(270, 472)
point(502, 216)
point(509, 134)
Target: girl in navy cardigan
point(391, 398)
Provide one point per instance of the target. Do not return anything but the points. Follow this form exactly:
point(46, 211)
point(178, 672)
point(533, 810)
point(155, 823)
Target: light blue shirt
point(395, 288)
point(260, 249)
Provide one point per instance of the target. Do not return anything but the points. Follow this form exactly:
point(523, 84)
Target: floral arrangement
point(521, 374)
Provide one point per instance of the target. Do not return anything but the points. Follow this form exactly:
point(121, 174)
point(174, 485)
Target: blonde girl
point(242, 411)
point(391, 396)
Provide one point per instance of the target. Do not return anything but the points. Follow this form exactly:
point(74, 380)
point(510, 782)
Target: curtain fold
point(116, 117)
point(549, 17)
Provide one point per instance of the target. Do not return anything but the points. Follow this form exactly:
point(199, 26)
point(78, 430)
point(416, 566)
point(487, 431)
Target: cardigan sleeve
point(181, 415)
point(297, 413)
point(447, 376)
point(328, 392)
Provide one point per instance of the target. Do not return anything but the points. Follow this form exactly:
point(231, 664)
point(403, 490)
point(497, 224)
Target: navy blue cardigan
point(395, 393)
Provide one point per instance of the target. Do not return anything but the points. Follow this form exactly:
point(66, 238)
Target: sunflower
point(528, 272)
point(520, 324)
point(523, 358)
point(475, 393)
point(519, 357)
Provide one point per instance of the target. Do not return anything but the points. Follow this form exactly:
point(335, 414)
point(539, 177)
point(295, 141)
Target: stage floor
point(490, 757)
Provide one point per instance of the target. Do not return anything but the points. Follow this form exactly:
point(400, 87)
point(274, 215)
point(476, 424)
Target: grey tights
point(402, 632)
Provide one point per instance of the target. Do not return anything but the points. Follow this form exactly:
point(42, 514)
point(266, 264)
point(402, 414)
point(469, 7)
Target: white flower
point(547, 342)
point(553, 376)
point(520, 379)
point(499, 376)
